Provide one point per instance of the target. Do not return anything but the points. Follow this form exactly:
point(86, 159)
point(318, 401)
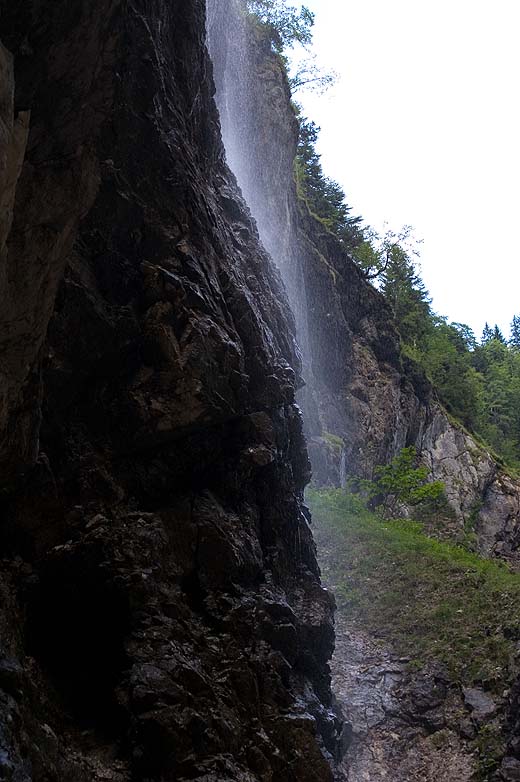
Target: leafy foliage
point(405, 482)
point(479, 384)
point(487, 333)
point(499, 424)
point(374, 253)
point(404, 290)
point(446, 357)
point(400, 483)
point(515, 332)
point(287, 25)
point(309, 74)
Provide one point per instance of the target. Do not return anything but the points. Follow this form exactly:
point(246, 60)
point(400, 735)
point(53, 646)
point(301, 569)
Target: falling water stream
point(250, 118)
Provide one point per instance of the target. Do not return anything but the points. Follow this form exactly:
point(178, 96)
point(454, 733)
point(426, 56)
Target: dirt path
point(405, 727)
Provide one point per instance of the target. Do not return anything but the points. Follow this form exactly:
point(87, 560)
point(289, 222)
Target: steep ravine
point(360, 387)
point(364, 400)
point(161, 613)
point(162, 616)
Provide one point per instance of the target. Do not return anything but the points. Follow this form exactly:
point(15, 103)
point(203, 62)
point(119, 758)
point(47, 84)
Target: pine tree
point(466, 334)
point(497, 334)
point(406, 294)
point(487, 334)
point(324, 197)
point(515, 332)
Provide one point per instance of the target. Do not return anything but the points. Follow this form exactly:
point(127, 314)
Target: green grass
point(428, 599)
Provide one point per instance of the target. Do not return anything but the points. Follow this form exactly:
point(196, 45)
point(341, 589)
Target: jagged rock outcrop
point(412, 727)
point(360, 386)
point(162, 615)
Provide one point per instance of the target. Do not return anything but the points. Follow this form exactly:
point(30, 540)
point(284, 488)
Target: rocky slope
point(427, 650)
point(378, 402)
point(404, 726)
point(162, 615)
point(360, 387)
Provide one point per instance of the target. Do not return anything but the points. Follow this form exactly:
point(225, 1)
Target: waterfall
point(343, 468)
point(252, 117)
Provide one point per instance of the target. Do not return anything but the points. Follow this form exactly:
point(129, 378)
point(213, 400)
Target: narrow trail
point(406, 725)
point(403, 725)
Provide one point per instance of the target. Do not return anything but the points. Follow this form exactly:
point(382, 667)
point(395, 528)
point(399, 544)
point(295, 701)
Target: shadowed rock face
point(162, 615)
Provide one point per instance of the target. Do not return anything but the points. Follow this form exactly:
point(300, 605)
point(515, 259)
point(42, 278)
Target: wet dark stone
point(510, 769)
point(160, 575)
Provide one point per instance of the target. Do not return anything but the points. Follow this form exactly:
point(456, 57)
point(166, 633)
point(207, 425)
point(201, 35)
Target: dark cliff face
point(162, 616)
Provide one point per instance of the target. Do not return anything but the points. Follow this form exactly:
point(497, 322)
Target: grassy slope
point(428, 599)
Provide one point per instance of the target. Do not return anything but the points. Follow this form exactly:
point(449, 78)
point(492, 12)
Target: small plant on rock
point(401, 484)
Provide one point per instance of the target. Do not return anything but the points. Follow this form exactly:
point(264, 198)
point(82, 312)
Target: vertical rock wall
point(162, 616)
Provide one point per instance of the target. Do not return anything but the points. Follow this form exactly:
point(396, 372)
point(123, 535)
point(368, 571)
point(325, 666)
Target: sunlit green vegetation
point(427, 599)
point(477, 381)
point(402, 482)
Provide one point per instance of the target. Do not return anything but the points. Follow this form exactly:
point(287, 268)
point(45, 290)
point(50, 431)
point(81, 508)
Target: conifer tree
point(324, 197)
point(497, 334)
point(487, 334)
point(405, 291)
point(515, 332)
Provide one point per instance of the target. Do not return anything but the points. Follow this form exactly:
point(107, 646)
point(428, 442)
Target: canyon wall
point(364, 399)
point(162, 615)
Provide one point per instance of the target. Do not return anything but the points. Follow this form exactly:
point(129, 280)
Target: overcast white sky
point(423, 128)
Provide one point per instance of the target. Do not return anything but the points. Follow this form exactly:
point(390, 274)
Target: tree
point(515, 332)
point(373, 254)
point(308, 75)
point(404, 483)
point(406, 294)
point(401, 483)
point(287, 25)
point(497, 334)
point(498, 366)
point(467, 335)
point(487, 334)
point(447, 361)
point(324, 197)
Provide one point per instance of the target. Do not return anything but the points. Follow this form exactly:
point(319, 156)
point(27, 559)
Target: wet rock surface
point(481, 704)
point(162, 615)
point(405, 726)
